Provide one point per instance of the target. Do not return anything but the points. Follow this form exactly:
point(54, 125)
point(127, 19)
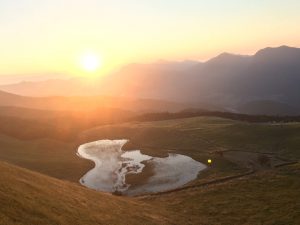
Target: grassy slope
point(30, 198)
point(204, 134)
point(269, 197)
point(198, 137)
point(55, 158)
point(195, 137)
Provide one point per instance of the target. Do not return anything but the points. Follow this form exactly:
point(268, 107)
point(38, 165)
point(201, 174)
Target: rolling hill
point(28, 197)
point(88, 103)
point(269, 197)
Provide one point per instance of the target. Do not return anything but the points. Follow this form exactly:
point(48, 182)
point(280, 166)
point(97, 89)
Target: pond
point(133, 173)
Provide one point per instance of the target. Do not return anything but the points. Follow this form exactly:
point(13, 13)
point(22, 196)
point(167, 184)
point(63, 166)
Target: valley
point(235, 147)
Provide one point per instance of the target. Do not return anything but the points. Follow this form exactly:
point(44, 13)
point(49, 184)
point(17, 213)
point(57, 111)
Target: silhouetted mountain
point(226, 81)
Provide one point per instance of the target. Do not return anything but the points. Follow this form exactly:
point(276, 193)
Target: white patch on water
point(112, 165)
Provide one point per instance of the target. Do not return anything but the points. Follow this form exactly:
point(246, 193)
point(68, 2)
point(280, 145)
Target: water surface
point(148, 174)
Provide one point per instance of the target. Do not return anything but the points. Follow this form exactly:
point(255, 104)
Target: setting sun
point(90, 62)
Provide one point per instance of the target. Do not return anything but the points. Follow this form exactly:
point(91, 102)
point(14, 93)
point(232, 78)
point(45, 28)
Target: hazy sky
point(50, 35)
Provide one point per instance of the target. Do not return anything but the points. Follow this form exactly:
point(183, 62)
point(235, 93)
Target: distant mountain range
point(265, 83)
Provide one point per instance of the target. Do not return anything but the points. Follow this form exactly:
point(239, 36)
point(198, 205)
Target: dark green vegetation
point(269, 196)
point(187, 113)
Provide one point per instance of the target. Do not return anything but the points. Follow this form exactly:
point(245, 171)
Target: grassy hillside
point(203, 137)
point(30, 198)
point(61, 125)
point(199, 137)
point(52, 157)
point(269, 197)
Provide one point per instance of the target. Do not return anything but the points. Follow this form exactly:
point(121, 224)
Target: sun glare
point(90, 62)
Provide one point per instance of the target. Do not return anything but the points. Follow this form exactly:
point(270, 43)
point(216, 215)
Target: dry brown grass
point(268, 197)
point(30, 198)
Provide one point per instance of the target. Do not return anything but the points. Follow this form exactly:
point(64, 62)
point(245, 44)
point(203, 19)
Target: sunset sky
point(52, 35)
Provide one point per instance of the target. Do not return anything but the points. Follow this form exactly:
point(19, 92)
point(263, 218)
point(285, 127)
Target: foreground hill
point(269, 197)
point(30, 198)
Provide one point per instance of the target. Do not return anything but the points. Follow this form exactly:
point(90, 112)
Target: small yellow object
point(209, 161)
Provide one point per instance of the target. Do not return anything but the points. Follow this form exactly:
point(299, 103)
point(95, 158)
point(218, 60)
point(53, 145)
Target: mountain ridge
point(228, 81)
